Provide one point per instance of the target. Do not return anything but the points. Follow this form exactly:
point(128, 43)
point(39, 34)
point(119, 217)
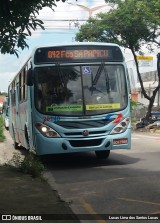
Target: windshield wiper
point(107, 80)
point(99, 71)
point(95, 80)
point(61, 74)
point(98, 74)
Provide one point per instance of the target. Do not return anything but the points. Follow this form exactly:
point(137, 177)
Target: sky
point(61, 26)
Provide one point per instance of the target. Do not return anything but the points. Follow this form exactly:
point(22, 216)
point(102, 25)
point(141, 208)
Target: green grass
point(2, 137)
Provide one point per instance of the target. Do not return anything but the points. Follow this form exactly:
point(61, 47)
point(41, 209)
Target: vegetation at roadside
point(30, 164)
point(2, 137)
point(3, 93)
point(132, 104)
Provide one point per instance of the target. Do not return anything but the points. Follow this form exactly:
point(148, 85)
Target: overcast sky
point(56, 32)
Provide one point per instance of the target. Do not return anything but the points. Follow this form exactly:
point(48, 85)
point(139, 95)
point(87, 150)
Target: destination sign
point(78, 53)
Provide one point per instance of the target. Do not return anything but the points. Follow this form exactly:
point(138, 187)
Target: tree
point(131, 24)
point(17, 19)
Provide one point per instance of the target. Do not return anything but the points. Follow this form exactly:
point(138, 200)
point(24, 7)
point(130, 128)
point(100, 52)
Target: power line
point(52, 32)
point(63, 20)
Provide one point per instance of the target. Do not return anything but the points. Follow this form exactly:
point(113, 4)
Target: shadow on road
point(85, 160)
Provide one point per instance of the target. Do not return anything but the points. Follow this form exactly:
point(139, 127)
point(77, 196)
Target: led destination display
point(77, 54)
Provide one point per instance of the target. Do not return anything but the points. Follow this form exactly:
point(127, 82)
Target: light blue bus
point(71, 98)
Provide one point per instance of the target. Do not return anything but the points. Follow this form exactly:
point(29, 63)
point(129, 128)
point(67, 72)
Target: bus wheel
point(103, 154)
point(15, 143)
point(26, 136)
point(7, 128)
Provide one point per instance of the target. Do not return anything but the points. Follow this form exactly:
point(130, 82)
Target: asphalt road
point(127, 183)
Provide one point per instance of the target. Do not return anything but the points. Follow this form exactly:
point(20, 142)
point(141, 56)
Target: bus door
point(29, 130)
point(17, 115)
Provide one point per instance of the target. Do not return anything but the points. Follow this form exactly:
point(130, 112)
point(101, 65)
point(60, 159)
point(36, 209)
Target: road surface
point(127, 183)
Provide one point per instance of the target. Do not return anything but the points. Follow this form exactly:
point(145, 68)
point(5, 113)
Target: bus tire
point(15, 143)
point(26, 136)
point(102, 154)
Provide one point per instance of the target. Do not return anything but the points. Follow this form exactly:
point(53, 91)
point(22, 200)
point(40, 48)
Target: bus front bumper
point(46, 145)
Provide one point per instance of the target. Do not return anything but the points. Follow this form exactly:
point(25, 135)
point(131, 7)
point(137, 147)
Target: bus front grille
point(85, 143)
point(80, 134)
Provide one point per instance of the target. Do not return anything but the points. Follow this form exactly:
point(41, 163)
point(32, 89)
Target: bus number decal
point(56, 118)
point(46, 118)
point(49, 118)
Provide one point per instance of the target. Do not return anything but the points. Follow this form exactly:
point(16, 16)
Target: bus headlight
point(121, 127)
point(46, 130)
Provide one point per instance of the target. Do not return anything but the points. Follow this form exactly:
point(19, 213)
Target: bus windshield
point(74, 90)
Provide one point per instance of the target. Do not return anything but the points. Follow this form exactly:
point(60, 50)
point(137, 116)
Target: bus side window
point(13, 94)
point(25, 84)
point(20, 87)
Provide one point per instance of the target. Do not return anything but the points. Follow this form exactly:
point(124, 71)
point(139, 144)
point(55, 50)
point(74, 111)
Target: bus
point(71, 98)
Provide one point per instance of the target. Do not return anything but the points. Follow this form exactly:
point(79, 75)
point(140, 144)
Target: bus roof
point(76, 44)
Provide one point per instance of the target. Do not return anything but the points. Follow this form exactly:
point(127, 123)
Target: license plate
point(120, 141)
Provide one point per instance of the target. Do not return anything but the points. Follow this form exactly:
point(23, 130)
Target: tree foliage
point(131, 24)
point(18, 18)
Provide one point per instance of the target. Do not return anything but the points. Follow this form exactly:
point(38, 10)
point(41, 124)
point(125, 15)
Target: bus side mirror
point(29, 77)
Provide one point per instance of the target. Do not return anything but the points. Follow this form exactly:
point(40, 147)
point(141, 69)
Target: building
point(2, 99)
point(150, 82)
